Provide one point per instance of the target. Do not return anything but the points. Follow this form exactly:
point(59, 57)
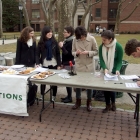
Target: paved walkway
point(63, 123)
point(10, 41)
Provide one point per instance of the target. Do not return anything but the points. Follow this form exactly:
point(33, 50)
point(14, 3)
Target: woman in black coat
point(48, 54)
point(26, 48)
point(67, 56)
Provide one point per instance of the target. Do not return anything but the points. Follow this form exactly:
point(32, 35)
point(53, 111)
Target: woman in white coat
point(83, 49)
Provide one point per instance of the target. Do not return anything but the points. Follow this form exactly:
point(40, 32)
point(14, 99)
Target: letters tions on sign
point(11, 96)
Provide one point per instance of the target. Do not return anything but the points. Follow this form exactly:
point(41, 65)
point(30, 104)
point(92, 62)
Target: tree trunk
point(62, 19)
point(116, 30)
point(1, 31)
point(44, 9)
point(74, 11)
point(26, 17)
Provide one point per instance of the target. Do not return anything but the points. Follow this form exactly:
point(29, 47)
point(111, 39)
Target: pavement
point(10, 41)
point(63, 123)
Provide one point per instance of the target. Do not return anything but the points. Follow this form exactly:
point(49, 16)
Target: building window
point(112, 13)
point(35, 1)
point(113, 1)
point(79, 19)
point(98, 12)
point(35, 13)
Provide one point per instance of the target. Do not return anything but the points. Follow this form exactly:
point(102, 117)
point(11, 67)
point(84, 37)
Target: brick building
point(102, 14)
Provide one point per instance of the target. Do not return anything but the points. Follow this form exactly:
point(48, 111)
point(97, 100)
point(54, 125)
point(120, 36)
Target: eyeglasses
point(65, 32)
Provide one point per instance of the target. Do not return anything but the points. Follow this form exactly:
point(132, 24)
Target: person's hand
point(106, 71)
point(85, 52)
point(37, 66)
point(117, 72)
point(138, 83)
point(59, 68)
point(78, 52)
point(60, 44)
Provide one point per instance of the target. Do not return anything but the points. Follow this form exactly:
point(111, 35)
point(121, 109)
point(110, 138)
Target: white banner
point(13, 97)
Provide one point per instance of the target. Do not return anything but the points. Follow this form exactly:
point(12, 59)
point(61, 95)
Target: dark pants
point(109, 95)
point(69, 92)
point(43, 87)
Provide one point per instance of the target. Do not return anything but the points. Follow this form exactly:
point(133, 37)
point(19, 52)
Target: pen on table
point(118, 83)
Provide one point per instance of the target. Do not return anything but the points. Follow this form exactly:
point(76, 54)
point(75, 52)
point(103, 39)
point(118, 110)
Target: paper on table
point(17, 66)
point(40, 69)
point(111, 77)
point(65, 76)
point(128, 77)
point(132, 85)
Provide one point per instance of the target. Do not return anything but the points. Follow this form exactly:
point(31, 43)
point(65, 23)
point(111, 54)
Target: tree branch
point(126, 6)
point(131, 12)
point(95, 3)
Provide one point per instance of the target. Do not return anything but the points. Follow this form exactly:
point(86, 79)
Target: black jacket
point(41, 54)
point(25, 55)
point(67, 53)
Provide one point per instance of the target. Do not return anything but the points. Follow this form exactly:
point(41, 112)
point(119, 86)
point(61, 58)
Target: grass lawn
point(122, 39)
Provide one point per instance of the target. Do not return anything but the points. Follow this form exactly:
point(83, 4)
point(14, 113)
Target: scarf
point(109, 59)
point(30, 42)
point(48, 45)
point(68, 39)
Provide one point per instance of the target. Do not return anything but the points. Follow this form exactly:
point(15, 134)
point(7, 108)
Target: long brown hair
point(24, 37)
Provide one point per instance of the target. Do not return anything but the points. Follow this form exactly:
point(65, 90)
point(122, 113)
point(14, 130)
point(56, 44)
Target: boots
point(77, 104)
point(89, 106)
point(108, 108)
point(113, 107)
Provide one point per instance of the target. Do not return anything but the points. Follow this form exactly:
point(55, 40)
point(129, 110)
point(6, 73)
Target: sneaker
point(53, 98)
point(64, 98)
point(67, 100)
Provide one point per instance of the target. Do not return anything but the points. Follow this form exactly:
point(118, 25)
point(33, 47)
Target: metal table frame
point(85, 80)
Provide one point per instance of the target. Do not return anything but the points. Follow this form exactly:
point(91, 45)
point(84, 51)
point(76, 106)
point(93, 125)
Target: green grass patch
point(122, 39)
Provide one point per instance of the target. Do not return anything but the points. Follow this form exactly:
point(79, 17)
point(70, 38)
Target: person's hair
point(80, 31)
point(43, 37)
point(70, 30)
point(131, 46)
point(24, 37)
point(108, 34)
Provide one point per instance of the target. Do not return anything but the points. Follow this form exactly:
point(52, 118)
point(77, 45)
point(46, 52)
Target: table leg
point(137, 116)
point(43, 105)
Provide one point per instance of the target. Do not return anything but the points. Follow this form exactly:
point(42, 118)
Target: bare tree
point(1, 31)
point(119, 12)
point(87, 10)
point(26, 17)
point(62, 18)
point(44, 9)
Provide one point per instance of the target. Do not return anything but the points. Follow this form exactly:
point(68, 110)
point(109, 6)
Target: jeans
point(78, 93)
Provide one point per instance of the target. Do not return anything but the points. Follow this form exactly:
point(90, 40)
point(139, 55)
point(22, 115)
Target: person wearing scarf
point(48, 54)
point(67, 56)
point(110, 55)
point(26, 48)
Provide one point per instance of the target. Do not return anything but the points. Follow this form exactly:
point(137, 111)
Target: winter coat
point(85, 63)
point(25, 55)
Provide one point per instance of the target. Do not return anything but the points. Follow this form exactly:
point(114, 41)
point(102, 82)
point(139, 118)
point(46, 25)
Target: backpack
point(31, 96)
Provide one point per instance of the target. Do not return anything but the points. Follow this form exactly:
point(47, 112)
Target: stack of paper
point(132, 85)
point(129, 77)
point(111, 77)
